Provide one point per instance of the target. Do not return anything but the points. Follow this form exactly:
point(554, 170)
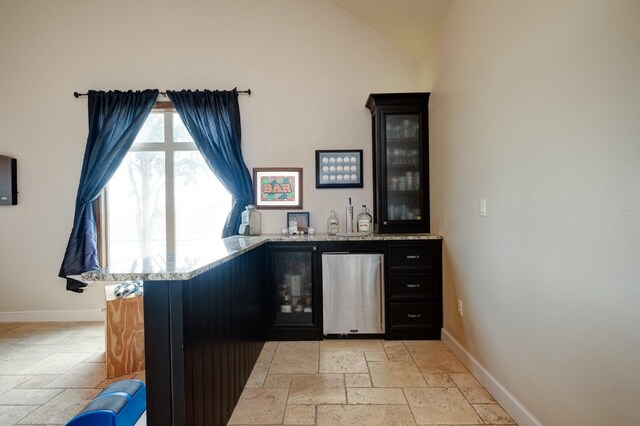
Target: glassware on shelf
point(409, 177)
point(392, 212)
point(402, 183)
point(413, 156)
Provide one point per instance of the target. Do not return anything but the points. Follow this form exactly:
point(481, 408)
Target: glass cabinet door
point(403, 171)
point(293, 286)
point(400, 123)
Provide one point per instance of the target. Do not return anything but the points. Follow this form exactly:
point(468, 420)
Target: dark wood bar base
point(202, 338)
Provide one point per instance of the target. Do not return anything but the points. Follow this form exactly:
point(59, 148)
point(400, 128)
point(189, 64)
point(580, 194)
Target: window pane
point(152, 130)
point(137, 208)
point(180, 132)
point(202, 204)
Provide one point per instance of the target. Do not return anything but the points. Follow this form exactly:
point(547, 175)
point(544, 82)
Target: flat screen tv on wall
point(8, 181)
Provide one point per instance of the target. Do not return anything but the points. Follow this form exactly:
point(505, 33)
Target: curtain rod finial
point(76, 94)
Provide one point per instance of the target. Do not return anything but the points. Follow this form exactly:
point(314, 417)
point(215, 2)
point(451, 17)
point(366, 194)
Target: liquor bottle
point(332, 223)
point(364, 220)
point(349, 218)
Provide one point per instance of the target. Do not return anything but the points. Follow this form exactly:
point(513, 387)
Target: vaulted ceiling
point(411, 24)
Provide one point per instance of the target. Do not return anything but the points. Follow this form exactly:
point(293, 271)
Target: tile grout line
point(369, 371)
point(403, 390)
point(415, 419)
point(344, 383)
point(474, 405)
point(315, 415)
point(286, 404)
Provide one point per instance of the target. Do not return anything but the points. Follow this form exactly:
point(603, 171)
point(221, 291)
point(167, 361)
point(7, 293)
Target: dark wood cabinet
point(293, 305)
point(407, 320)
point(400, 162)
point(207, 331)
point(414, 290)
point(202, 338)
point(412, 285)
point(412, 277)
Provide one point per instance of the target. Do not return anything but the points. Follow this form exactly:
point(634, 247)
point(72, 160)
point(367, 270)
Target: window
point(163, 198)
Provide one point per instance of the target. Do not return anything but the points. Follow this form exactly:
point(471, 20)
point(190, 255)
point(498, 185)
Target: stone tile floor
point(363, 382)
point(50, 371)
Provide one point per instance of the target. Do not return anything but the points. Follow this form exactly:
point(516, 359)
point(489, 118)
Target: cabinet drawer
point(413, 256)
point(414, 314)
point(413, 285)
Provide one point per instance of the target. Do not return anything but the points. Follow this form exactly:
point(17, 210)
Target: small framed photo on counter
point(301, 220)
point(339, 169)
point(277, 188)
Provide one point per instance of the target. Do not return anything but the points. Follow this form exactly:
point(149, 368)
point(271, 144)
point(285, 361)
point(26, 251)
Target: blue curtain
point(213, 120)
point(115, 118)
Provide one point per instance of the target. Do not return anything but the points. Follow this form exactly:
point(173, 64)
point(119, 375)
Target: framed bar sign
point(278, 187)
point(339, 169)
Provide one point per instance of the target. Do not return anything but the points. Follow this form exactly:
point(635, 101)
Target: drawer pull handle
point(413, 315)
point(413, 285)
point(413, 256)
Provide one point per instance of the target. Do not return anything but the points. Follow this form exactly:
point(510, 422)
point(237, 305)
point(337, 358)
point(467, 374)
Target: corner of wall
point(507, 401)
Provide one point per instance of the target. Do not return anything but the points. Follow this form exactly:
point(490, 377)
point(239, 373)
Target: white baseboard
point(511, 405)
point(53, 316)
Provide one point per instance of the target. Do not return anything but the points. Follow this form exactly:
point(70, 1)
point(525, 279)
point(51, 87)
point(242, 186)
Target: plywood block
point(125, 334)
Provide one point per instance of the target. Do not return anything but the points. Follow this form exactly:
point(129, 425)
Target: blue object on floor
point(119, 404)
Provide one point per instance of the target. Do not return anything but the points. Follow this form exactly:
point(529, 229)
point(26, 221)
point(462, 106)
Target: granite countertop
point(186, 265)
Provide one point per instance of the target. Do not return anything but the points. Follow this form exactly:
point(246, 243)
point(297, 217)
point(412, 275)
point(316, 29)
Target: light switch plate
point(483, 207)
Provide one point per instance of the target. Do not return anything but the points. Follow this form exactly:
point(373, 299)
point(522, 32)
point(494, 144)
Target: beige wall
point(310, 65)
point(536, 108)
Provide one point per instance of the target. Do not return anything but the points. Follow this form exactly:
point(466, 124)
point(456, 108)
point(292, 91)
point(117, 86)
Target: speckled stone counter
point(184, 266)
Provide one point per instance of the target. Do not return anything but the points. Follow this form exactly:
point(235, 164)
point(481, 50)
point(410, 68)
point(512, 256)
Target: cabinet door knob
point(413, 315)
point(384, 223)
point(315, 248)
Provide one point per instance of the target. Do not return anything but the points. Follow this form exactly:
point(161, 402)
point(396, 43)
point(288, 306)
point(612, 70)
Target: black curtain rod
point(248, 92)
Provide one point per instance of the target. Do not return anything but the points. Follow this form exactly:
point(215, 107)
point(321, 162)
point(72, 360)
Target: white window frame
point(168, 147)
